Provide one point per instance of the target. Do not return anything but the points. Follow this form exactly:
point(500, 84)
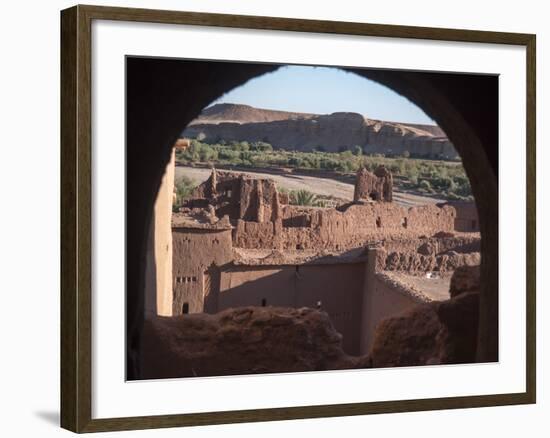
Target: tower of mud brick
point(377, 186)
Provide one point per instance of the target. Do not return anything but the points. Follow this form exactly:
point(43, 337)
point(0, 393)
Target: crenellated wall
point(235, 211)
point(332, 229)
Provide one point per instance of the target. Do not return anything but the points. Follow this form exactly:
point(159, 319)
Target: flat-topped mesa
point(377, 186)
point(308, 132)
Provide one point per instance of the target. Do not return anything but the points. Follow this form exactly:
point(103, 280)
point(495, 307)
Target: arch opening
point(400, 81)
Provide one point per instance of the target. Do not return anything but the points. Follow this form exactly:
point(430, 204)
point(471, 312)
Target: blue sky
point(323, 90)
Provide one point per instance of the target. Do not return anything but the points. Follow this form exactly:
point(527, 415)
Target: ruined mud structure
point(374, 187)
point(238, 242)
point(185, 89)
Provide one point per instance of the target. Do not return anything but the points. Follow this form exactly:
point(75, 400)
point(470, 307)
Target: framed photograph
point(268, 218)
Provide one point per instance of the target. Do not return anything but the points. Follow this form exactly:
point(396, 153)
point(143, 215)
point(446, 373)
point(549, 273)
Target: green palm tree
point(305, 198)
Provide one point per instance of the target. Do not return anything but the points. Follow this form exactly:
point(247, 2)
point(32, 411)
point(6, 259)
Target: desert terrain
point(319, 186)
point(306, 132)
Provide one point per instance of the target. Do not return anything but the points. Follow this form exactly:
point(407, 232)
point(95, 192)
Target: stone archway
point(164, 95)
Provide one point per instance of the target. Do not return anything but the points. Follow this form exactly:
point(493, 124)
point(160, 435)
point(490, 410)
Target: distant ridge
point(330, 132)
point(238, 113)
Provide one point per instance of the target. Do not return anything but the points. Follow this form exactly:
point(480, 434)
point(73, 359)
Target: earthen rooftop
point(199, 219)
point(422, 289)
point(269, 257)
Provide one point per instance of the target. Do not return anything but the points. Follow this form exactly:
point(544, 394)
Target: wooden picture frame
point(76, 217)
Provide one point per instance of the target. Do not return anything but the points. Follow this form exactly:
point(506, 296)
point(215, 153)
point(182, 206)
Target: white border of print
point(112, 396)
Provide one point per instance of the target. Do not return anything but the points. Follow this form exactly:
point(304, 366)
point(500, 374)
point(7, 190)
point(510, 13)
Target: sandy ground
point(319, 186)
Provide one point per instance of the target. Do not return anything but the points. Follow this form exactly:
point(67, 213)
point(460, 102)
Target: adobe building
point(467, 219)
point(158, 260)
point(200, 247)
point(333, 284)
point(237, 242)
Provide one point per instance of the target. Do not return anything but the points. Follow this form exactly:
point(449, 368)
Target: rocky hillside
point(331, 132)
point(236, 113)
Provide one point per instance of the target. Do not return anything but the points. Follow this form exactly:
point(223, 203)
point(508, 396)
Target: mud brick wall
point(377, 186)
point(194, 252)
point(331, 229)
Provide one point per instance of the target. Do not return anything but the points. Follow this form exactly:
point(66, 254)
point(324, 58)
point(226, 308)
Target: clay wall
point(332, 229)
point(434, 245)
point(251, 285)
point(259, 200)
point(239, 196)
point(336, 289)
point(466, 216)
point(419, 263)
point(381, 299)
point(196, 251)
point(385, 300)
point(377, 186)
point(258, 235)
point(158, 264)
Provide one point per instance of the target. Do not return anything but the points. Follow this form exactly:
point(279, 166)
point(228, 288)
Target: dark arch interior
point(164, 95)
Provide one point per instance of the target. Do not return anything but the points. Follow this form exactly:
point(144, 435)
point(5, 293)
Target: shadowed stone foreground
point(246, 340)
point(434, 333)
point(251, 340)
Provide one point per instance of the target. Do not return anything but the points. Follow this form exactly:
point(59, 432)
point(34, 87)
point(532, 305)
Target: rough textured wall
point(248, 340)
point(158, 293)
point(466, 216)
point(336, 289)
point(437, 253)
point(463, 243)
point(194, 252)
point(381, 299)
point(414, 262)
point(259, 200)
point(239, 196)
point(384, 298)
point(377, 186)
point(407, 338)
point(332, 229)
point(465, 279)
point(258, 235)
point(435, 333)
